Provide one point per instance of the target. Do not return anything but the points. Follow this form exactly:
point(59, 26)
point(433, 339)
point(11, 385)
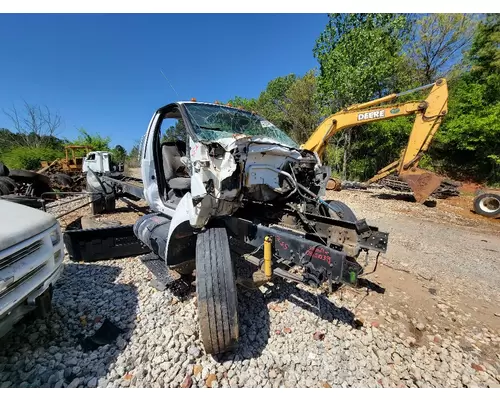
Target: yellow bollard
point(268, 242)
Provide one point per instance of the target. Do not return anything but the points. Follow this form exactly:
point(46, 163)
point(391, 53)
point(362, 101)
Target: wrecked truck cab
point(218, 157)
point(214, 174)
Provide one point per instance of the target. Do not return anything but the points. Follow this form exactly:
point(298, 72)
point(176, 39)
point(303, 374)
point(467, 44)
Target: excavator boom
point(429, 114)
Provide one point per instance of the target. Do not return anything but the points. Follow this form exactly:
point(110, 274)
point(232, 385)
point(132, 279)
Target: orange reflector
point(193, 99)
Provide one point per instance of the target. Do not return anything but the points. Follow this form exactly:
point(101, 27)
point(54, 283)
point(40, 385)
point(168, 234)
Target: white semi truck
point(102, 162)
point(31, 255)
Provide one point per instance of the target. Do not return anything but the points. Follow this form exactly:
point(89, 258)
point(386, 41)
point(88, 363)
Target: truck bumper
point(322, 263)
point(38, 301)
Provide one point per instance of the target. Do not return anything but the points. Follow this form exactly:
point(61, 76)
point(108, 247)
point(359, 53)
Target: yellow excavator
point(429, 114)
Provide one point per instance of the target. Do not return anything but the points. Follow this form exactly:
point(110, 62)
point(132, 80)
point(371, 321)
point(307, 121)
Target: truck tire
point(488, 205)
point(342, 211)
point(63, 179)
point(4, 171)
point(216, 292)
point(24, 175)
point(4, 189)
point(9, 182)
point(40, 188)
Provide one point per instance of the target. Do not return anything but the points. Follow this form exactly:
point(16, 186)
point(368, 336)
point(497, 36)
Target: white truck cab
point(31, 255)
point(98, 161)
point(101, 162)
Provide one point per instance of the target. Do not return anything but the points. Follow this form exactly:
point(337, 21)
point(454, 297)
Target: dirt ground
point(442, 268)
point(133, 172)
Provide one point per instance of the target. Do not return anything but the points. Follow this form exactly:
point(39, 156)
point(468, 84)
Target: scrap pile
point(28, 187)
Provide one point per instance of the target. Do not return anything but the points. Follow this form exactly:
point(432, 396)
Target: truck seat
point(174, 170)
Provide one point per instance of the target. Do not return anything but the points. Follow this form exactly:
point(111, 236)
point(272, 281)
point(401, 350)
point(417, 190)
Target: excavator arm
point(429, 114)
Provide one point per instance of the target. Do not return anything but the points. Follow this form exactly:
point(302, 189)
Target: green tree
point(271, 102)
point(468, 143)
point(132, 160)
point(15, 153)
point(175, 132)
point(485, 55)
point(94, 140)
point(301, 107)
point(438, 41)
point(289, 102)
point(360, 58)
point(119, 153)
point(246, 104)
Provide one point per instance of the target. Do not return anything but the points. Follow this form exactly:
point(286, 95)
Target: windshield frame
point(281, 138)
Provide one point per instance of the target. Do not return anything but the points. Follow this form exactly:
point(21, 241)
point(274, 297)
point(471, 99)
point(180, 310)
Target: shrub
point(29, 158)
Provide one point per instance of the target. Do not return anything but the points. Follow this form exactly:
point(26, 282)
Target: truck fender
point(181, 241)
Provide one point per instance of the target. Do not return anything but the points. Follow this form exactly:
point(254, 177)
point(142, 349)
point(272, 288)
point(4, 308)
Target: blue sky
point(102, 72)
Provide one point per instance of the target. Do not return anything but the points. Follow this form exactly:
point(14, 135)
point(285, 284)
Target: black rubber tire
point(216, 292)
point(481, 208)
point(4, 189)
point(4, 171)
point(24, 200)
point(24, 175)
point(9, 182)
point(343, 213)
point(40, 187)
point(63, 179)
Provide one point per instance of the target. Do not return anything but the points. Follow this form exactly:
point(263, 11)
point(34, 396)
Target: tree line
point(37, 139)
point(366, 56)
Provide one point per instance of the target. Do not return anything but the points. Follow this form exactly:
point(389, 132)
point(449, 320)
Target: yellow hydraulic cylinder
point(268, 242)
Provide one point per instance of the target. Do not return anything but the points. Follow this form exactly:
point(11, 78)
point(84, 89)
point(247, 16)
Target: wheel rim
point(489, 205)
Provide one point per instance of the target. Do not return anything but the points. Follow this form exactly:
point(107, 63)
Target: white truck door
point(90, 162)
point(105, 167)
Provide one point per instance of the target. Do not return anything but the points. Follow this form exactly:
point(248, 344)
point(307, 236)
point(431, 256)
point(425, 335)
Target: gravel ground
point(435, 242)
point(286, 341)
point(290, 337)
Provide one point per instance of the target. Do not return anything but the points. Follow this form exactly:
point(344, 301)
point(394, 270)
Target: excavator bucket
point(423, 183)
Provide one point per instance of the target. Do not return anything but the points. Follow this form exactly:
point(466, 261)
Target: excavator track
point(445, 190)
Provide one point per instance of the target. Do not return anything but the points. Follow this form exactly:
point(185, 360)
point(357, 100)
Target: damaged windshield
point(212, 122)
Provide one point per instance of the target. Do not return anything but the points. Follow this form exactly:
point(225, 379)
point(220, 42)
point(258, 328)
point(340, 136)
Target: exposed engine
point(273, 177)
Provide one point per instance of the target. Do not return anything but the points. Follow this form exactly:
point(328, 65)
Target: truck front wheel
point(216, 292)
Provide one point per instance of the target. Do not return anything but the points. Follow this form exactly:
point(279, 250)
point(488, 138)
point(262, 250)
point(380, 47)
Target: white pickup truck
point(31, 255)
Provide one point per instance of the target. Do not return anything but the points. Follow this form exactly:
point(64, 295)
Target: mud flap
point(423, 183)
point(44, 303)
